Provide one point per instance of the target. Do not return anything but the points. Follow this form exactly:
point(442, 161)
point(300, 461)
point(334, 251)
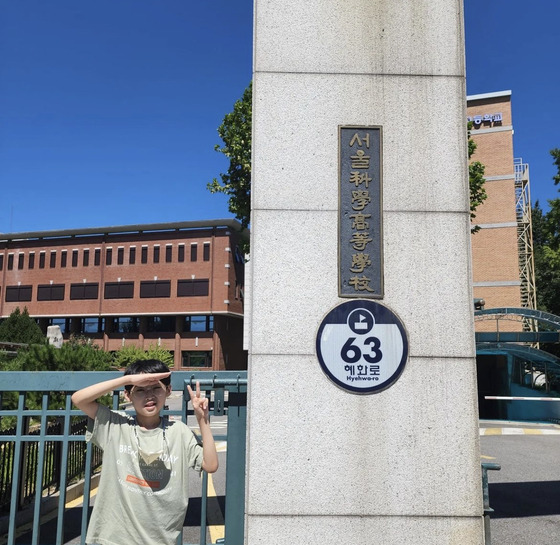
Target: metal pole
point(486, 499)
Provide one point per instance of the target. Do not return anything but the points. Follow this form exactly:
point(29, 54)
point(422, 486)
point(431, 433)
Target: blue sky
point(513, 45)
point(109, 109)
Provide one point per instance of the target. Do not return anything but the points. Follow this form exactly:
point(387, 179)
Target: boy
point(142, 497)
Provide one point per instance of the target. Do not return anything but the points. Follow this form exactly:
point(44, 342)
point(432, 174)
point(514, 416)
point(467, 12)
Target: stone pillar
point(326, 466)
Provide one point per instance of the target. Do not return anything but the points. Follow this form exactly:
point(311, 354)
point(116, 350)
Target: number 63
point(351, 353)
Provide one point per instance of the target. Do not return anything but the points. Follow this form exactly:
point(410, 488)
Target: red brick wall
point(222, 269)
point(494, 250)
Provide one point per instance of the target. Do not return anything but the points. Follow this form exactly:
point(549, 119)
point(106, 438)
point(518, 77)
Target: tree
point(19, 327)
point(235, 131)
point(74, 355)
point(71, 356)
point(546, 248)
point(476, 180)
point(556, 155)
point(129, 354)
point(546, 251)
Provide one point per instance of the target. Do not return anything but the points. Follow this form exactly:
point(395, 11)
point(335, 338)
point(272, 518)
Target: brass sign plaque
point(360, 233)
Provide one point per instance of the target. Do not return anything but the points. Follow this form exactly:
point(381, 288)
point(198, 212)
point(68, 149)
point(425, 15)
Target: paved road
point(525, 493)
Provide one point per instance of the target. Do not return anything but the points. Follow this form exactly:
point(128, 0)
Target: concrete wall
point(326, 466)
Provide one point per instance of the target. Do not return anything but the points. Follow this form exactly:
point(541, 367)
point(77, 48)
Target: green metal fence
point(44, 399)
point(487, 466)
point(52, 461)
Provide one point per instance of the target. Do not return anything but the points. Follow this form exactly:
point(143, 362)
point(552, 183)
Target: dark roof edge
point(135, 228)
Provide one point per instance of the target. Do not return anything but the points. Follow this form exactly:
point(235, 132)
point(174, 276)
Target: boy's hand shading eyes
point(146, 379)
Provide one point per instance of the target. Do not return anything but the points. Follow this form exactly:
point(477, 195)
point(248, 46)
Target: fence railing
point(487, 466)
point(52, 461)
point(52, 438)
point(44, 446)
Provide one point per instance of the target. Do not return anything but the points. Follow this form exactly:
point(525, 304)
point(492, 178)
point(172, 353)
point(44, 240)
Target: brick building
point(176, 285)
point(502, 250)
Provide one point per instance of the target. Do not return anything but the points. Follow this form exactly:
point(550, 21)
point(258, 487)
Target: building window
point(63, 258)
point(119, 290)
point(74, 258)
point(206, 252)
point(196, 358)
point(155, 288)
point(86, 258)
point(63, 323)
point(198, 323)
point(181, 253)
point(41, 260)
point(126, 324)
point(50, 292)
point(84, 291)
point(194, 252)
point(1, 262)
point(31, 263)
point(52, 263)
point(108, 256)
point(144, 256)
point(21, 259)
point(161, 324)
point(97, 257)
point(120, 256)
point(156, 253)
point(132, 255)
point(10, 261)
point(18, 293)
point(92, 325)
point(168, 253)
point(192, 288)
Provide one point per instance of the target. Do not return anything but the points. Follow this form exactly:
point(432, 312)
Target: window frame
point(21, 293)
point(124, 290)
point(85, 287)
point(151, 289)
point(51, 292)
point(184, 291)
point(208, 326)
point(207, 354)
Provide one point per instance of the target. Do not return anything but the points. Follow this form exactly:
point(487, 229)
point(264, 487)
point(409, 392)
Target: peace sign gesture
point(199, 403)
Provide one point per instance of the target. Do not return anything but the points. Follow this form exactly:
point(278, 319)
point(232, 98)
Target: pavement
point(525, 493)
point(504, 427)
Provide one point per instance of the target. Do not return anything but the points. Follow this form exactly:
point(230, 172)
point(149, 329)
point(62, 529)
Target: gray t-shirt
point(143, 493)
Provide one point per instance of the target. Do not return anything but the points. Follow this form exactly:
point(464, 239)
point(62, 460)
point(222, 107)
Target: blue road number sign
point(362, 346)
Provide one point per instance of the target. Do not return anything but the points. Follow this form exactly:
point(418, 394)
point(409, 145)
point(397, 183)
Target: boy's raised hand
point(146, 379)
point(200, 404)
point(86, 398)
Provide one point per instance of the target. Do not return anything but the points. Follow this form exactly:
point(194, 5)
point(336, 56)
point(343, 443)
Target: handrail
point(487, 466)
point(539, 315)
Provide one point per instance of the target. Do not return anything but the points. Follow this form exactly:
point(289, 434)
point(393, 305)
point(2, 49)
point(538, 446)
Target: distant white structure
point(54, 335)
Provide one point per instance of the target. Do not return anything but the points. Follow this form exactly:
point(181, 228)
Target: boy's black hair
point(147, 366)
